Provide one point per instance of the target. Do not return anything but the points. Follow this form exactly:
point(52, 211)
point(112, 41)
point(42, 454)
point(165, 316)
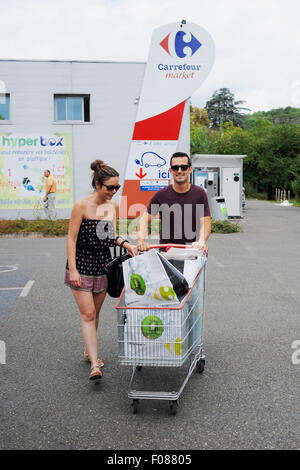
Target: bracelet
point(122, 243)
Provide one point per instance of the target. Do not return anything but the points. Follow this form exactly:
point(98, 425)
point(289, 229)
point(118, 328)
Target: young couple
point(92, 231)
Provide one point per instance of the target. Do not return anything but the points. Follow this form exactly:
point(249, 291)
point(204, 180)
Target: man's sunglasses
point(183, 167)
point(110, 187)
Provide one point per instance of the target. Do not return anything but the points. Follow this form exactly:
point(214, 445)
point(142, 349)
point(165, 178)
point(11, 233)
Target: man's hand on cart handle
point(143, 246)
point(199, 246)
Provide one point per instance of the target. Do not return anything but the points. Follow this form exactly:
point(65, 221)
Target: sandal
point(87, 359)
point(95, 373)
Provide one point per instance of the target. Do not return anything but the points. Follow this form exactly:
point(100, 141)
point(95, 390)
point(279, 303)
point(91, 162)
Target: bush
point(296, 187)
point(219, 226)
point(60, 227)
point(44, 226)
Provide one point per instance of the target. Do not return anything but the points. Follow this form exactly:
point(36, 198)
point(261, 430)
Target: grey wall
point(113, 88)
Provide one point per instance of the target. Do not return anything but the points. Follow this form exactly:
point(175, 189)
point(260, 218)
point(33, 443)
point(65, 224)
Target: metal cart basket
point(163, 337)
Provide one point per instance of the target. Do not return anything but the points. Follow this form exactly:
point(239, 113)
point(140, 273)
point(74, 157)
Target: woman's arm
point(119, 240)
point(142, 231)
point(74, 225)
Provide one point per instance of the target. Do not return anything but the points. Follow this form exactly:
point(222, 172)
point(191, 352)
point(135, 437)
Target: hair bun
point(97, 165)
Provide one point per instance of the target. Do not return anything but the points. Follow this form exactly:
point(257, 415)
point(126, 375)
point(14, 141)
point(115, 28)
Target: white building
point(90, 105)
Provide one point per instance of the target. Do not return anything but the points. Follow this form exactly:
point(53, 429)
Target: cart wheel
point(135, 406)
point(200, 366)
point(173, 407)
point(139, 368)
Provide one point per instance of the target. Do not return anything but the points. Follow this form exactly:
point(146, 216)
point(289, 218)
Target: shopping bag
point(177, 278)
point(114, 272)
point(188, 261)
point(192, 268)
point(156, 335)
point(147, 283)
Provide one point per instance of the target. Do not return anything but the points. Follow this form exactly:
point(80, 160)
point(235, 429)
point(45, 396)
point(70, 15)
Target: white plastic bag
point(190, 261)
point(156, 335)
point(192, 268)
point(146, 282)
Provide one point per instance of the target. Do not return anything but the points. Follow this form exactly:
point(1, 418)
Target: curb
point(29, 235)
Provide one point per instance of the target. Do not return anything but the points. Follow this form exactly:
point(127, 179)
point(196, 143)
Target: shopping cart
point(163, 336)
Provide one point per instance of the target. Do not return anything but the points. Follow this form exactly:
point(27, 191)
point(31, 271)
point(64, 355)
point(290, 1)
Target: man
point(183, 209)
point(49, 198)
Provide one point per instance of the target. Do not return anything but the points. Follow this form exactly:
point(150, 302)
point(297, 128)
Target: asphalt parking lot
point(247, 397)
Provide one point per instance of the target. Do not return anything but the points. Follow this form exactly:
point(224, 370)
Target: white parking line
point(11, 288)
point(27, 288)
point(11, 268)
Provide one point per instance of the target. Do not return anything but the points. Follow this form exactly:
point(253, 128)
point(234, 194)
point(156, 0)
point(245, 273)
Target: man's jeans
point(49, 207)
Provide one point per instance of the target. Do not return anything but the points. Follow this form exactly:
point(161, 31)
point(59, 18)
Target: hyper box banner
point(23, 160)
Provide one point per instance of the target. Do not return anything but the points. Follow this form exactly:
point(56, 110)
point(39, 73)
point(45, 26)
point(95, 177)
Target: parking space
point(245, 399)
point(15, 282)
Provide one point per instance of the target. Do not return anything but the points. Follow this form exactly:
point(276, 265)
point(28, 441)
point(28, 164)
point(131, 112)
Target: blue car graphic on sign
point(151, 159)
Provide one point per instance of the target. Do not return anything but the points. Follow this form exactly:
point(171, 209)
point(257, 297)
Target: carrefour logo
point(177, 46)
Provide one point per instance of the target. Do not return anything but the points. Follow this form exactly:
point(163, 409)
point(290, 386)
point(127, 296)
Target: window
point(72, 107)
point(4, 107)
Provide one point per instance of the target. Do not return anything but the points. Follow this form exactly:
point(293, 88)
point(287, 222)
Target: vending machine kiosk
point(221, 176)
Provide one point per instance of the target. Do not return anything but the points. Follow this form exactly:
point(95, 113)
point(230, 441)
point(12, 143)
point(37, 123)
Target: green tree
point(231, 140)
point(258, 125)
point(201, 140)
point(2, 118)
point(198, 116)
point(272, 149)
point(296, 187)
point(222, 107)
point(274, 158)
point(288, 115)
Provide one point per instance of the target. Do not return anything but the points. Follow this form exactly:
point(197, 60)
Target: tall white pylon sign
point(180, 59)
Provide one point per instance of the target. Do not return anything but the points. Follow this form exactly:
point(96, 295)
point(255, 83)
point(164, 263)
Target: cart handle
point(170, 245)
point(174, 245)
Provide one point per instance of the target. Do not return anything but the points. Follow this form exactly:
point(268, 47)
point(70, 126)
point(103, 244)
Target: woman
point(91, 233)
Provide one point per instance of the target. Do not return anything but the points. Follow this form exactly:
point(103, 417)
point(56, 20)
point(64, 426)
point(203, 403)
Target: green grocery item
point(137, 284)
point(164, 293)
point(167, 293)
point(152, 327)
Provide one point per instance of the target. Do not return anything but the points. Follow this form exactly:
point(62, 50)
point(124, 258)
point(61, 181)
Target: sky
point(257, 42)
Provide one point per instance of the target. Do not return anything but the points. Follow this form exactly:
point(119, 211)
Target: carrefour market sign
point(180, 59)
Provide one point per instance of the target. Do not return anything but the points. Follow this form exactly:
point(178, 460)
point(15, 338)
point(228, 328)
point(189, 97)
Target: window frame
point(83, 96)
point(6, 121)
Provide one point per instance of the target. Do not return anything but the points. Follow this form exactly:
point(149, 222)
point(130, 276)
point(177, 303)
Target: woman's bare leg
point(98, 301)
point(87, 309)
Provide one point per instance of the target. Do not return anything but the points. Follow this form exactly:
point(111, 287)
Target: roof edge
point(75, 61)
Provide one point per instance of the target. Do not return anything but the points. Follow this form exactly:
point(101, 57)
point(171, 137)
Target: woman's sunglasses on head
point(111, 187)
point(183, 167)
